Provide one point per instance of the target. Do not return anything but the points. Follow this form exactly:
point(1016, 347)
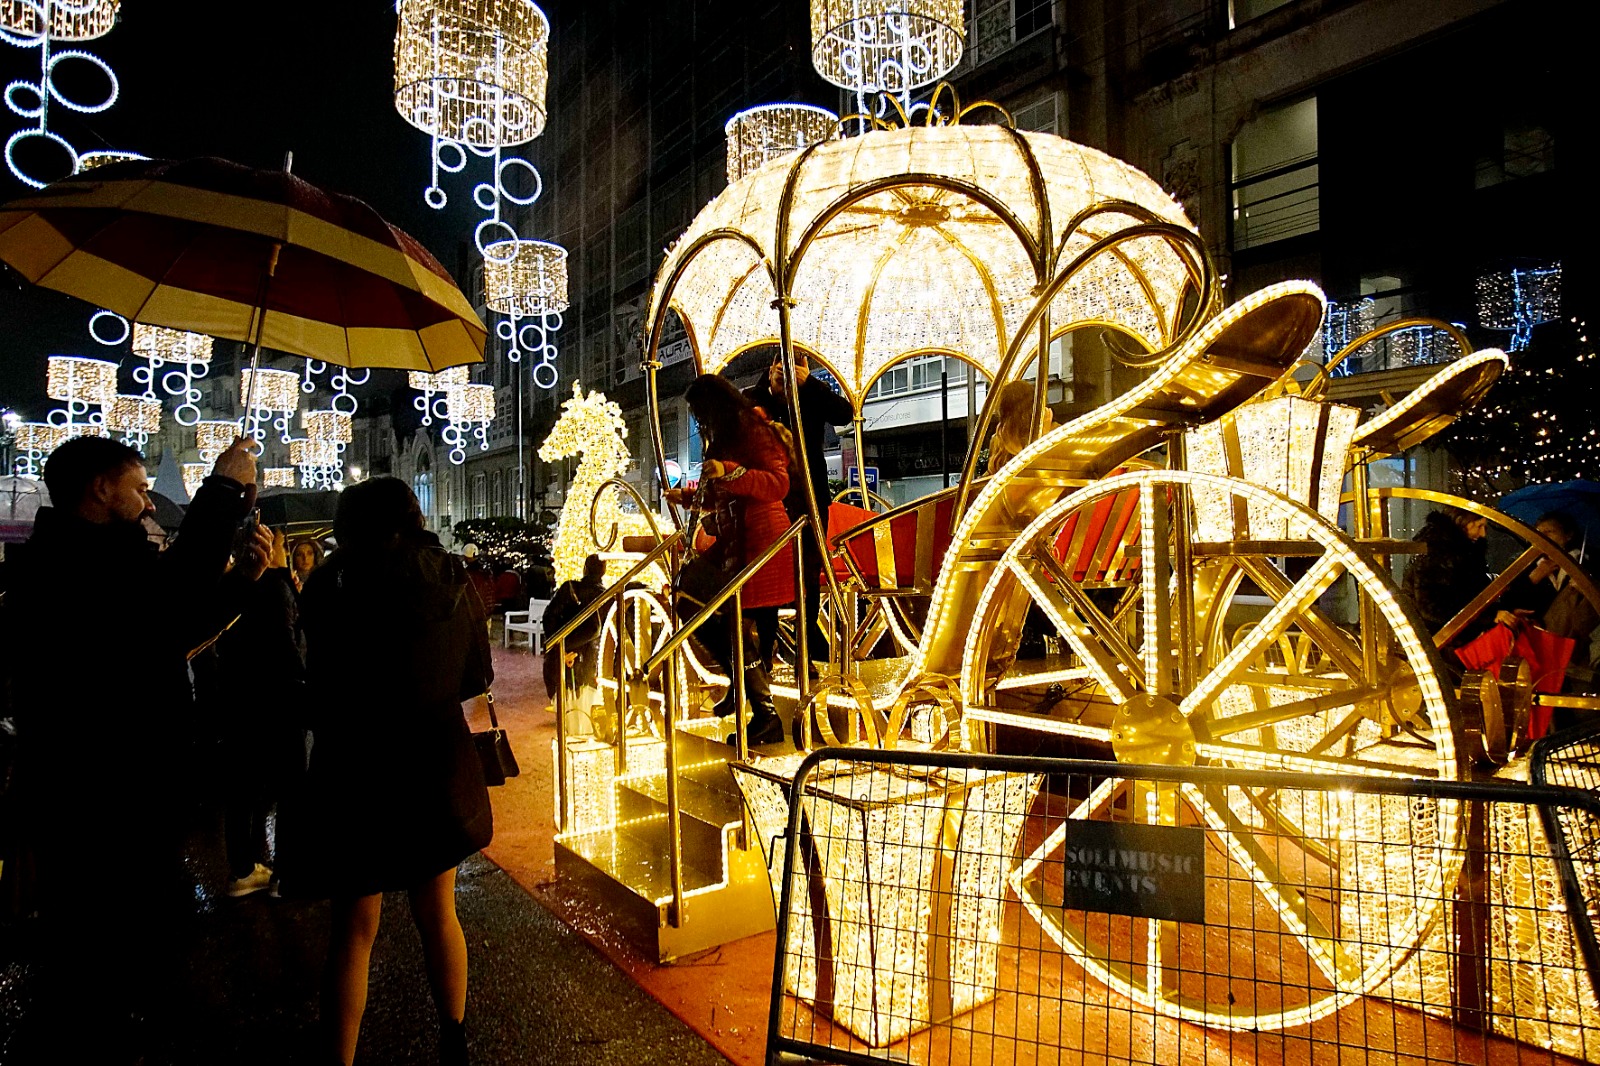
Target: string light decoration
point(1537, 425)
point(275, 392)
point(435, 389)
point(469, 409)
point(158, 343)
point(886, 46)
point(212, 438)
point(525, 279)
point(34, 441)
point(194, 474)
point(333, 426)
point(320, 462)
point(31, 24)
point(135, 418)
point(90, 160)
point(73, 377)
point(278, 477)
point(761, 134)
point(1519, 299)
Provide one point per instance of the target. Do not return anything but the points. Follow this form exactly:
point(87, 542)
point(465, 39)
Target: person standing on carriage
point(744, 480)
point(819, 406)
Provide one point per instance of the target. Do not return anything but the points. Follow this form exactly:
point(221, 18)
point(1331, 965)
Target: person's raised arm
point(835, 409)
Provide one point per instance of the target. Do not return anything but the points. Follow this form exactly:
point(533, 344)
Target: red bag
point(1547, 655)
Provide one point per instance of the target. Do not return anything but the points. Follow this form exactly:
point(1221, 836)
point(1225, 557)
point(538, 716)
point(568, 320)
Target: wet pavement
point(539, 993)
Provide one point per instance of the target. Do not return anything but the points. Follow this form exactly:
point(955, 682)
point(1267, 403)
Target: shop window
point(1040, 117)
point(1523, 151)
point(1274, 176)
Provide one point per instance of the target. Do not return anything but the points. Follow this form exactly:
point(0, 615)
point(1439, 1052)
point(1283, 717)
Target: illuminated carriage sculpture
point(1208, 466)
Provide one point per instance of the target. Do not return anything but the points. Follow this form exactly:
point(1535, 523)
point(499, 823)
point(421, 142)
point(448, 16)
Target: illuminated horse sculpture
point(591, 427)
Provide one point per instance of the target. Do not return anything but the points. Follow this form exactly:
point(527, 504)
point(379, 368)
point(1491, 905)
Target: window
point(422, 484)
point(497, 494)
point(996, 25)
point(1040, 117)
point(1241, 11)
point(632, 237)
point(916, 374)
point(1273, 163)
point(1523, 151)
point(480, 496)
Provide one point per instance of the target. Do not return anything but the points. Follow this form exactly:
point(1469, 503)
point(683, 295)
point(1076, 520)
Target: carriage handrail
point(594, 607)
point(715, 603)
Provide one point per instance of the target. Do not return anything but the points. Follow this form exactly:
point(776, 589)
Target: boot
point(452, 1043)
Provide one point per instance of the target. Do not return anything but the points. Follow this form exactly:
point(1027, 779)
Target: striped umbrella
point(260, 256)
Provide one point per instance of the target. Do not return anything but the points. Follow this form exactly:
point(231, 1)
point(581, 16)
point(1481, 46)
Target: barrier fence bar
point(954, 908)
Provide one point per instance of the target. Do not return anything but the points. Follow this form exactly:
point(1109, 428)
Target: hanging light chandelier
point(472, 71)
point(524, 279)
point(435, 389)
point(212, 438)
point(135, 418)
point(278, 477)
point(469, 410)
point(265, 392)
point(1519, 299)
point(887, 46)
point(328, 426)
point(34, 441)
point(75, 378)
point(170, 345)
point(193, 475)
point(69, 20)
point(761, 134)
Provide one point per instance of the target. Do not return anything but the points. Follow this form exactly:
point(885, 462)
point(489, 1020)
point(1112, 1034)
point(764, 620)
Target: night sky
point(196, 79)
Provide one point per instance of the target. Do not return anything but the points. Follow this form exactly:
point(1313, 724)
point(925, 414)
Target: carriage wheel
point(1189, 672)
point(649, 624)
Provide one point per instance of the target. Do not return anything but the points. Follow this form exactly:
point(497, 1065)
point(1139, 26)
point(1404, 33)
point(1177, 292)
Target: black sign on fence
point(1146, 871)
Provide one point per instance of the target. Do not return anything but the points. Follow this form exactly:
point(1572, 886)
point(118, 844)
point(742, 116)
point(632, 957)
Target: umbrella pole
point(261, 320)
point(260, 326)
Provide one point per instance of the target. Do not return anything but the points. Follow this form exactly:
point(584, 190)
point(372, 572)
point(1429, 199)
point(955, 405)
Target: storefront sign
point(1146, 871)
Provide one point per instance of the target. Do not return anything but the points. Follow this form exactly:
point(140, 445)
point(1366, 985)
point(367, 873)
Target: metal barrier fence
point(957, 908)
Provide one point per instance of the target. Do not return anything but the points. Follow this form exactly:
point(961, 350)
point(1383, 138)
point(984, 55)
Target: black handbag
point(494, 749)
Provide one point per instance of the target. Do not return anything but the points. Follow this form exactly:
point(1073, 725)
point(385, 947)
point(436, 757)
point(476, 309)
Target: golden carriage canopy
point(927, 239)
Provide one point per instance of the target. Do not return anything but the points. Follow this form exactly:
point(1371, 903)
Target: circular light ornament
point(472, 71)
point(74, 378)
point(762, 134)
point(68, 20)
point(890, 46)
point(522, 278)
point(171, 345)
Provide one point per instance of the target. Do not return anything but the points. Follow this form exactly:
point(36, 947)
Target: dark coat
point(820, 407)
point(571, 598)
point(1445, 578)
point(395, 642)
point(756, 486)
point(97, 629)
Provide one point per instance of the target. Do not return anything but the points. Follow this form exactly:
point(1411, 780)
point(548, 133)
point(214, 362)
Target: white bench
point(530, 622)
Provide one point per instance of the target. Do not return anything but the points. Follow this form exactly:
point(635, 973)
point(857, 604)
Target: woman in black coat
point(1453, 569)
point(394, 797)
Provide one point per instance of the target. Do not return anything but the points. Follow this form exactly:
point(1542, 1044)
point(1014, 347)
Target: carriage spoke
point(1109, 633)
point(1321, 946)
point(1155, 575)
point(1254, 758)
point(1284, 712)
point(1077, 633)
point(1329, 637)
point(1283, 614)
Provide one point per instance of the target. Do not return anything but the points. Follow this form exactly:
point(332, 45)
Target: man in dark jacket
point(98, 625)
point(579, 647)
point(819, 406)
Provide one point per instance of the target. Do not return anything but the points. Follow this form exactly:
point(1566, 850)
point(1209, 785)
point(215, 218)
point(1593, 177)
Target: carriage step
point(636, 859)
point(704, 812)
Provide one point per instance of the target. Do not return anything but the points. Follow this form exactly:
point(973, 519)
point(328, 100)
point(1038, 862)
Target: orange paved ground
point(722, 995)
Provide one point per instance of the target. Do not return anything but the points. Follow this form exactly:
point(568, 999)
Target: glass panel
point(1275, 176)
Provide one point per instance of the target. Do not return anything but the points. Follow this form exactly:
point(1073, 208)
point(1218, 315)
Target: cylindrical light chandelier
point(75, 378)
point(523, 278)
point(134, 414)
point(761, 134)
point(891, 46)
point(70, 20)
point(278, 477)
point(328, 425)
point(472, 71)
point(171, 345)
point(193, 475)
point(423, 381)
point(275, 390)
point(471, 404)
point(318, 453)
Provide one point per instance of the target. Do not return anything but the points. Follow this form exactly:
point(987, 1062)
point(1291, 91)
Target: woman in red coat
point(746, 475)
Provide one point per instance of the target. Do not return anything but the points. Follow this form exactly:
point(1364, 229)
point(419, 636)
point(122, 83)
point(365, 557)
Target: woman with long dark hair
point(744, 478)
point(394, 798)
